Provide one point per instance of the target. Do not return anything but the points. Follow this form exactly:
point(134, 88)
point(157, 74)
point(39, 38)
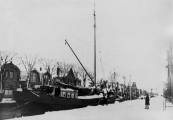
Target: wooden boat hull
point(50, 102)
point(24, 97)
point(53, 103)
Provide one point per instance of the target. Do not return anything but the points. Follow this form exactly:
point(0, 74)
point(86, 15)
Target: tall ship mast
point(94, 47)
point(65, 96)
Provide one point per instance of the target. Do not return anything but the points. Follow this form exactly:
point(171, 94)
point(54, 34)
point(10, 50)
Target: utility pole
point(130, 89)
point(124, 85)
point(115, 82)
point(170, 72)
point(163, 97)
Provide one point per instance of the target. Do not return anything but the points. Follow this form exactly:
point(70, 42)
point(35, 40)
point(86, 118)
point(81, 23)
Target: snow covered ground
point(128, 110)
point(7, 100)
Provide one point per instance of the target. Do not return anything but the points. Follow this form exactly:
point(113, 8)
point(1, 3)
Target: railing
point(167, 103)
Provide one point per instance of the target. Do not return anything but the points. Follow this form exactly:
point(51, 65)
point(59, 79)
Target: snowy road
point(128, 110)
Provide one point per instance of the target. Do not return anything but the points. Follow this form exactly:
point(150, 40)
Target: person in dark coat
point(147, 103)
point(57, 91)
point(104, 92)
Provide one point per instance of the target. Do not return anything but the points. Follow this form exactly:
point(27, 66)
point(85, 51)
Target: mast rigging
point(78, 60)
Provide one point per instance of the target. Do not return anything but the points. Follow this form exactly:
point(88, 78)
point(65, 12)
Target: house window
point(11, 74)
point(33, 77)
point(6, 74)
point(46, 79)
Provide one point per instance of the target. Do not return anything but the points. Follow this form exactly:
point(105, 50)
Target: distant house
point(34, 78)
point(46, 79)
point(70, 79)
point(10, 79)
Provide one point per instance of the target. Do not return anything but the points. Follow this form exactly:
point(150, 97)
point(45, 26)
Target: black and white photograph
point(86, 59)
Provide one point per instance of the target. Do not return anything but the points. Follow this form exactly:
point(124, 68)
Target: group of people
point(106, 92)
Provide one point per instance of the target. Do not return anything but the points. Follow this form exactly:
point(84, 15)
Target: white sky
point(132, 35)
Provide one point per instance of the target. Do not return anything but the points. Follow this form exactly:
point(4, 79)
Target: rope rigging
point(101, 62)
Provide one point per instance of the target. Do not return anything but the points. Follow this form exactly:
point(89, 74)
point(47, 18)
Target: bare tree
point(124, 77)
point(29, 62)
point(64, 68)
point(79, 71)
point(49, 65)
point(6, 57)
point(83, 75)
point(75, 71)
point(91, 74)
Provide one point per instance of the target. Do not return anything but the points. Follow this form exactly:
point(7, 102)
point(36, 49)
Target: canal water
point(12, 110)
point(6, 111)
point(9, 109)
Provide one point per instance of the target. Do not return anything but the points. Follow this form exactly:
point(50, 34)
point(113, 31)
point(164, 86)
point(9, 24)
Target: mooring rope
point(26, 102)
point(23, 104)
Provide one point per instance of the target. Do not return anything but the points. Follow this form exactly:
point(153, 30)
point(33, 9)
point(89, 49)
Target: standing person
point(105, 96)
point(109, 91)
point(147, 103)
point(104, 91)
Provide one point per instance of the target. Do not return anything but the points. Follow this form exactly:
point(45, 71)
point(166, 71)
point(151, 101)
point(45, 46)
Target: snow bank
point(7, 100)
point(90, 97)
